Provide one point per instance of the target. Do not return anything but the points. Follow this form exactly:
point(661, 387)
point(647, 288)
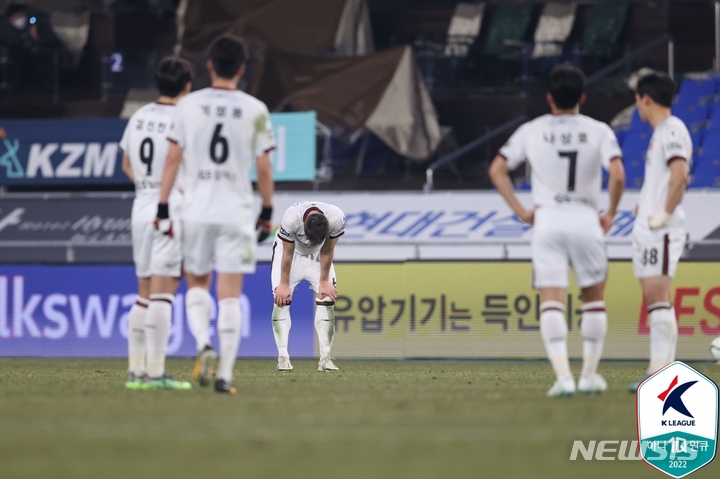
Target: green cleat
point(166, 382)
point(134, 382)
point(634, 386)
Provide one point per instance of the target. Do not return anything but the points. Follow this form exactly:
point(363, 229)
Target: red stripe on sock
point(142, 305)
point(594, 310)
point(162, 299)
point(551, 308)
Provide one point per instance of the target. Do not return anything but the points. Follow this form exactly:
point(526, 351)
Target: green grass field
point(375, 419)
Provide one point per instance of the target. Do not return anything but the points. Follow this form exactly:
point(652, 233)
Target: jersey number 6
point(220, 143)
point(572, 156)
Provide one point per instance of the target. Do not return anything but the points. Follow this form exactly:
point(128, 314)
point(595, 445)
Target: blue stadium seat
point(694, 92)
point(706, 172)
point(706, 165)
point(695, 118)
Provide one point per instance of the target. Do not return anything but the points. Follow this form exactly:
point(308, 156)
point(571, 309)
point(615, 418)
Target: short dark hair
point(227, 55)
point(658, 86)
point(317, 228)
point(566, 85)
point(172, 74)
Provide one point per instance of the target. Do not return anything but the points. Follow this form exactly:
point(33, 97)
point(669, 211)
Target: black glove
point(162, 220)
point(263, 225)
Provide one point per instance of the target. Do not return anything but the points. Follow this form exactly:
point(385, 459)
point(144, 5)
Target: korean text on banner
point(489, 310)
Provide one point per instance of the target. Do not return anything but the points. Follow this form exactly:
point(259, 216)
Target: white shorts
point(304, 267)
point(157, 254)
point(568, 235)
point(229, 247)
point(657, 253)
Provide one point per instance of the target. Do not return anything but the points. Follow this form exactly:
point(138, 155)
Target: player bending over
point(567, 152)
point(659, 231)
point(303, 250)
point(157, 256)
point(217, 134)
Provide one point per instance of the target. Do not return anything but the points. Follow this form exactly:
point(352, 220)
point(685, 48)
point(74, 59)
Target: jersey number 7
point(572, 156)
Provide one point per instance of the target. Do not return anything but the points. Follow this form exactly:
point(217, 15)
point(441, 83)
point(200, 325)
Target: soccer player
point(567, 152)
point(303, 250)
point(659, 231)
point(216, 135)
point(158, 257)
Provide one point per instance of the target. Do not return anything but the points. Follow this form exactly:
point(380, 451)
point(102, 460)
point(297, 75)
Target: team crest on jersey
point(677, 420)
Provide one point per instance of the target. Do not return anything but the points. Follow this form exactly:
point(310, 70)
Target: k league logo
point(677, 420)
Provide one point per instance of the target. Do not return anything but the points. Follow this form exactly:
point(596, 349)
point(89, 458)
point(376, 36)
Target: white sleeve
point(514, 150)
point(288, 228)
point(177, 128)
point(676, 145)
point(609, 147)
point(337, 228)
point(264, 137)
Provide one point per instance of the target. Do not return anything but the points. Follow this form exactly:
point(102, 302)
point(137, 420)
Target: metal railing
point(630, 56)
point(430, 172)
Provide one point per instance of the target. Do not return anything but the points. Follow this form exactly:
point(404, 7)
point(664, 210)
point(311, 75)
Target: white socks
point(553, 329)
point(229, 327)
point(136, 337)
point(325, 324)
point(157, 332)
point(663, 335)
point(197, 306)
point(281, 324)
point(593, 329)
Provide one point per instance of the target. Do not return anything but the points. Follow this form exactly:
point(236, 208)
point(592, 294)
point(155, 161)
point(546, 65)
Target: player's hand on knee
point(327, 290)
point(162, 222)
point(283, 295)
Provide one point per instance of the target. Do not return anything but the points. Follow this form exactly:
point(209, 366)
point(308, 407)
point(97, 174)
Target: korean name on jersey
point(292, 228)
point(145, 143)
point(221, 132)
point(670, 141)
point(566, 155)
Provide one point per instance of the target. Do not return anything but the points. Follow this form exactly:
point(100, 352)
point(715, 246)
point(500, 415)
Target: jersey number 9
point(147, 151)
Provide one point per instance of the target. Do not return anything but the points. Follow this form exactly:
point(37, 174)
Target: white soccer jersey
point(670, 141)
point(221, 132)
point(566, 154)
point(145, 143)
point(292, 229)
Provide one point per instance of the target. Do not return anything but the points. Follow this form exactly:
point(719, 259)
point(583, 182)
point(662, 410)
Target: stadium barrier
point(384, 310)
point(59, 228)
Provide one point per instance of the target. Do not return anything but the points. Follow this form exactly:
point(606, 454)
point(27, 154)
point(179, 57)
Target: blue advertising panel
point(82, 311)
point(85, 152)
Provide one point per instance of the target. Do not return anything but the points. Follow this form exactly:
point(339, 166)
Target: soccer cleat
point(326, 364)
point(591, 383)
point(204, 366)
point(634, 386)
point(223, 387)
point(166, 382)
point(563, 387)
point(134, 382)
point(284, 364)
